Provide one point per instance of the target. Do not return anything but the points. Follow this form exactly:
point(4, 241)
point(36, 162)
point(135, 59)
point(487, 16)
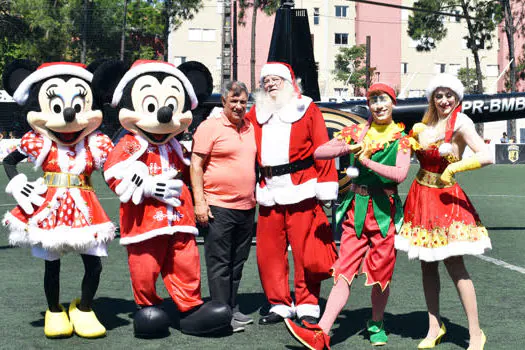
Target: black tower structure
point(292, 43)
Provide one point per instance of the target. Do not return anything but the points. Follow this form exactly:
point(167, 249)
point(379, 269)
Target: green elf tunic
point(385, 152)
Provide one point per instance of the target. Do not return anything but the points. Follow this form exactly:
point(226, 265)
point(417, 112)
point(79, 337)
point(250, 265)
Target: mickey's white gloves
point(27, 193)
point(137, 184)
point(132, 184)
point(165, 188)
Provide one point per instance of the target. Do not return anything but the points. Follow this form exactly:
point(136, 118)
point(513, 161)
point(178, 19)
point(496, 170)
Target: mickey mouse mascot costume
point(157, 223)
point(59, 212)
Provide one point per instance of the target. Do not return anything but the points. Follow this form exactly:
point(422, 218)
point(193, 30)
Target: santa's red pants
point(176, 258)
point(278, 226)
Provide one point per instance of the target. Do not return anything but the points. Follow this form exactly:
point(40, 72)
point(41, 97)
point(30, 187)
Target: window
point(340, 11)
point(341, 38)
point(178, 60)
point(208, 35)
point(439, 67)
point(199, 34)
point(316, 15)
point(195, 34)
point(453, 69)
point(220, 6)
point(404, 68)
point(492, 70)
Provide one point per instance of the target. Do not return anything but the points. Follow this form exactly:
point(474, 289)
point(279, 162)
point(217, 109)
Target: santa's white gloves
point(137, 184)
point(27, 193)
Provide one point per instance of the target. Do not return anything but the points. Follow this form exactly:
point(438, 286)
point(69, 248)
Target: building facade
point(339, 23)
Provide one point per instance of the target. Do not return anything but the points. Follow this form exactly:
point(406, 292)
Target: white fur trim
point(46, 147)
point(178, 150)
point(60, 238)
point(170, 230)
point(284, 195)
point(120, 167)
point(216, 113)
point(284, 311)
point(289, 113)
point(326, 191)
point(352, 172)
point(22, 92)
point(441, 253)
point(96, 152)
point(445, 149)
point(153, 67)
point(308, 310)
point(278, 69)
point(446, 81)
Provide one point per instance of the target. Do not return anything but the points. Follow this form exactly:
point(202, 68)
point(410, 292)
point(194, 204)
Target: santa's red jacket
point(290, 134)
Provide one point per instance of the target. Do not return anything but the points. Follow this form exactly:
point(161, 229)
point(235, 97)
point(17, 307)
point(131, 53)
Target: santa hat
point(384, 88)
point(150, 66)
point(283, 70)
point(444, 80)
point(48, 70)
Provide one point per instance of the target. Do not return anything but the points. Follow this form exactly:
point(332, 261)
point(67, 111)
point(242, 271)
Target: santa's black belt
point(283, 169)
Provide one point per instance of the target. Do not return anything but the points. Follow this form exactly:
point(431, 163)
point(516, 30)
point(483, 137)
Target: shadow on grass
point(411, 325)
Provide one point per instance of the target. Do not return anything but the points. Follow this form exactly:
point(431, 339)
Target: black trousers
point(226, 249)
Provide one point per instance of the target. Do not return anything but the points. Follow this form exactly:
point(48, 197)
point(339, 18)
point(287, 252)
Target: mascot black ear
point(16, 72)
point(92, 67)
point(199, 77)
point(105, 80)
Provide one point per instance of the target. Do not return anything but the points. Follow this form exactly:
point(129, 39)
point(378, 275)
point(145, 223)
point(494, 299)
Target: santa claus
point(288, 129)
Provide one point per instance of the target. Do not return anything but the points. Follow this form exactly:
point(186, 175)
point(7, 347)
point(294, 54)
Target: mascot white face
point(57, 98)
point(66, 114)
point(157, 112)
point(154, 99)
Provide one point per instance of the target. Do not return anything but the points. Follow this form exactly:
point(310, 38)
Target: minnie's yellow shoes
point(430, 343)
point(56, 324)
point(85, 324)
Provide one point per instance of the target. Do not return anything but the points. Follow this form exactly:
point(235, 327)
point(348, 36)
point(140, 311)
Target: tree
point(349, 67)
point(269, 7)
point(481, 19)
point(468, 79)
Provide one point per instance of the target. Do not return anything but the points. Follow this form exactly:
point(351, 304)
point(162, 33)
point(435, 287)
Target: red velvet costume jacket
point(150, 218)
point(294, 132)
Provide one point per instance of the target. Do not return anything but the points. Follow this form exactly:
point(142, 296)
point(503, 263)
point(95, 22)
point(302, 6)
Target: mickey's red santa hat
point(151, 66)
point(46, 71)
point(280, 69)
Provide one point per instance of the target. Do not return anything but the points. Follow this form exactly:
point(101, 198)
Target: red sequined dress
point(439, 221)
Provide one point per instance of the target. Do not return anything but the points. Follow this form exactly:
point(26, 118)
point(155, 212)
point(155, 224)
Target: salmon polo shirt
point(229, 170)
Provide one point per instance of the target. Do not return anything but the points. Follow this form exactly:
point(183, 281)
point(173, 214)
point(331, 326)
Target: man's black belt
point(283, 169)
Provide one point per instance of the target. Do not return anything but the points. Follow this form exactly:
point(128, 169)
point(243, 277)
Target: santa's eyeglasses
point(272, 81)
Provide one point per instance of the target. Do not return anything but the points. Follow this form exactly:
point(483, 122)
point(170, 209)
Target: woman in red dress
point(441, 224)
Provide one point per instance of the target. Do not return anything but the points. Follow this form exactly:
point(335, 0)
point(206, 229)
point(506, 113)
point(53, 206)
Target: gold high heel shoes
point(430, 343)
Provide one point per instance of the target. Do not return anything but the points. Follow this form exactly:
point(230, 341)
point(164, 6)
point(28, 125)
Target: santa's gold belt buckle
point(68, 180)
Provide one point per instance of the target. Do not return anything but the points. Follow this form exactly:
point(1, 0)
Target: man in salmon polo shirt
point(223, 181)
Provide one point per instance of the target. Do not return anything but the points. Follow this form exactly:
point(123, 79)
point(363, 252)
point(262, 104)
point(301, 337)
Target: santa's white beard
point(267, 103)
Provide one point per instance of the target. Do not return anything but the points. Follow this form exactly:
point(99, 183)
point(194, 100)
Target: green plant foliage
point(349, 66)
